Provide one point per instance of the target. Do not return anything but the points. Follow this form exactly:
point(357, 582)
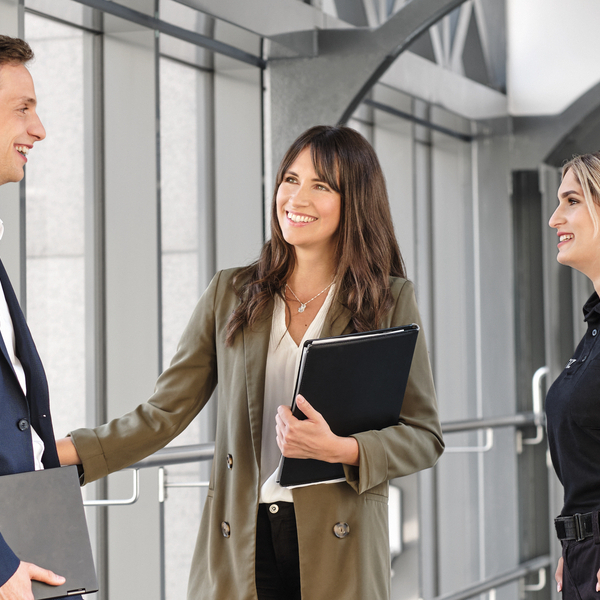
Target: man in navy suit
point(26, 435)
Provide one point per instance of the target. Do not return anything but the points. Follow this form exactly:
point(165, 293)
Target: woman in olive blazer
point(342, 528)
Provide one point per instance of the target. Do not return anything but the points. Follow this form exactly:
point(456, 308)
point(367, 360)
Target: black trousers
point(581, 562)
point(277, 561)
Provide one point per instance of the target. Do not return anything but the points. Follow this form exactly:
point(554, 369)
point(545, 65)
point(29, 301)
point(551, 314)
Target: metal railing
point(177, 455)
point(201, 452)
point(539, 564)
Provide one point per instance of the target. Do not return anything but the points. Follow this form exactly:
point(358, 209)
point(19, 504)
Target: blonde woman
point(573, 401)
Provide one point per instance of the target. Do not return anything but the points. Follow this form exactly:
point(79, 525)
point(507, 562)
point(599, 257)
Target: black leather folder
point(43, 521)
point(357, 382)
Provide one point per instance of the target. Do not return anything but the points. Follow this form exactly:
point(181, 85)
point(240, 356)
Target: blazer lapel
point(337, 320)
point(256, 346)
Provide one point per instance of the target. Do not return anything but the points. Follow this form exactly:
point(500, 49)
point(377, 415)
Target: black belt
point(578, 527)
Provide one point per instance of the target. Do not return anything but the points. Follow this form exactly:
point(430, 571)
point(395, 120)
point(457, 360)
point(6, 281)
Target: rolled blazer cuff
point(372, 463)
point(9, 562)
point(91, 454)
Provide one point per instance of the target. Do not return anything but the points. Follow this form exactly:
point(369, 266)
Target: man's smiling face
point(20, 126)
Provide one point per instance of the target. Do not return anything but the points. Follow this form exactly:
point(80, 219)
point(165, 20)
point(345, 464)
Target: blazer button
point(229, 461)
point(225, 529)
point(341, 530)
point(23, 424)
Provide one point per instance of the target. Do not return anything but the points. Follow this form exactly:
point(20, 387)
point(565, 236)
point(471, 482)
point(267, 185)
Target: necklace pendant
point(301, 308)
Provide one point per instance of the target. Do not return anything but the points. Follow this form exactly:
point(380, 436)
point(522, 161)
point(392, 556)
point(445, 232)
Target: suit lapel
point(37, 385)
point(11, 301)
point(5, 352)
point(256, 346)
point(25, 348)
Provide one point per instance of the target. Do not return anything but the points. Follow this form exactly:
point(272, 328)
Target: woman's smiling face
point(579, 242)
point(308, 209)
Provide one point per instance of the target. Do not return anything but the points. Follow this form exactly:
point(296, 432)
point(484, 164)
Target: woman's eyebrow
point(570, 193)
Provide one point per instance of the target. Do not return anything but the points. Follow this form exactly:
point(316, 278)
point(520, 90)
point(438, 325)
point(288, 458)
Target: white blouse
point(283, 358)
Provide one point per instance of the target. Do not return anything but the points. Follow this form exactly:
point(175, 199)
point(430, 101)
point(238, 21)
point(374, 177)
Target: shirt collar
point(591, 309)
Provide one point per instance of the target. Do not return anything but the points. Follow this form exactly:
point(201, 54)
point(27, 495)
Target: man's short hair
point(14, 51)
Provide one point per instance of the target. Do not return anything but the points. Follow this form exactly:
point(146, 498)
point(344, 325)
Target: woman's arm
point(67, 453)
point(416, 442)
point(180, 393)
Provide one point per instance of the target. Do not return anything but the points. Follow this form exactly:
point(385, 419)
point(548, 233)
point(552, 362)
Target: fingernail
point(558, 587)
point(598, 587)
point(300, 400)
point(60, 578)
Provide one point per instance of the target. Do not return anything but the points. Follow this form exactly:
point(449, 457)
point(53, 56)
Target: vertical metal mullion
point(207, 209)
point(262, 144)
point(424, 267)
point(207, 219)
point(22, 198)
point(558, 327)
point(96, 407)
point(23, 244)
point(159, 287)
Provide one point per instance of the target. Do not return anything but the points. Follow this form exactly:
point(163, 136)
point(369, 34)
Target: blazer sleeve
point(180, 393)
point(416, 442)
point(9, 562)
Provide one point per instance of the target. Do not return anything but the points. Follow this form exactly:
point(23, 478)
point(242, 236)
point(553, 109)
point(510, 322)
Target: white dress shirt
point(283, 358)
point(8, 335)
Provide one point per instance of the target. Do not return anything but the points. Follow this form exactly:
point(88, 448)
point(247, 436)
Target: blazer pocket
point(376, 498)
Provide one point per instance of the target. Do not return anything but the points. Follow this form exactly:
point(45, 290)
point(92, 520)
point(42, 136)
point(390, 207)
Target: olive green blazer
point(354, 565)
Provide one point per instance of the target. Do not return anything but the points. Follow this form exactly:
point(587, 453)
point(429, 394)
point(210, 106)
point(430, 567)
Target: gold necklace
point(302, 306)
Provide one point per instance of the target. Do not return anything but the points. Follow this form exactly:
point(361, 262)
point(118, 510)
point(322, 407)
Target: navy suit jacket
point(19, 412)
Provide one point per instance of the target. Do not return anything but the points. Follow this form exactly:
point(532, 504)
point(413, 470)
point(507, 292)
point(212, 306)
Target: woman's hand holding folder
point(312, 437)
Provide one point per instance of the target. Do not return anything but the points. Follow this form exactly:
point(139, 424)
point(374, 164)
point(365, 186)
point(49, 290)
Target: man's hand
point(18, 587)
point(312, 438)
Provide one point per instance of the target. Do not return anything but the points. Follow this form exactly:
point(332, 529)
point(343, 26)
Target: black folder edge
point(324, 341)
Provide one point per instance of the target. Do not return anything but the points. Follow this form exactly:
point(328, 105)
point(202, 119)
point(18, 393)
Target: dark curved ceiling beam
point(326, 86)
point(584, 134)
point(400, 31)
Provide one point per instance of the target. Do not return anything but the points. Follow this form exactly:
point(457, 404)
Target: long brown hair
point(367, 252)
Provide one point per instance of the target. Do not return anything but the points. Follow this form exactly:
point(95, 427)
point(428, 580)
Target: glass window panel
point(179, 91)
point(69, 11)
point(182, 93)
point(187, 18)
point(55, 187)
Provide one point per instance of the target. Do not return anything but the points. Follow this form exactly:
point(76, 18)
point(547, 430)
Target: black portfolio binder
point(357, 382)
point(43, 521)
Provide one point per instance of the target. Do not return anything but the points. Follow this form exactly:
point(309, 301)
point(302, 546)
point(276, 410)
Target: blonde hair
point(586, 168)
